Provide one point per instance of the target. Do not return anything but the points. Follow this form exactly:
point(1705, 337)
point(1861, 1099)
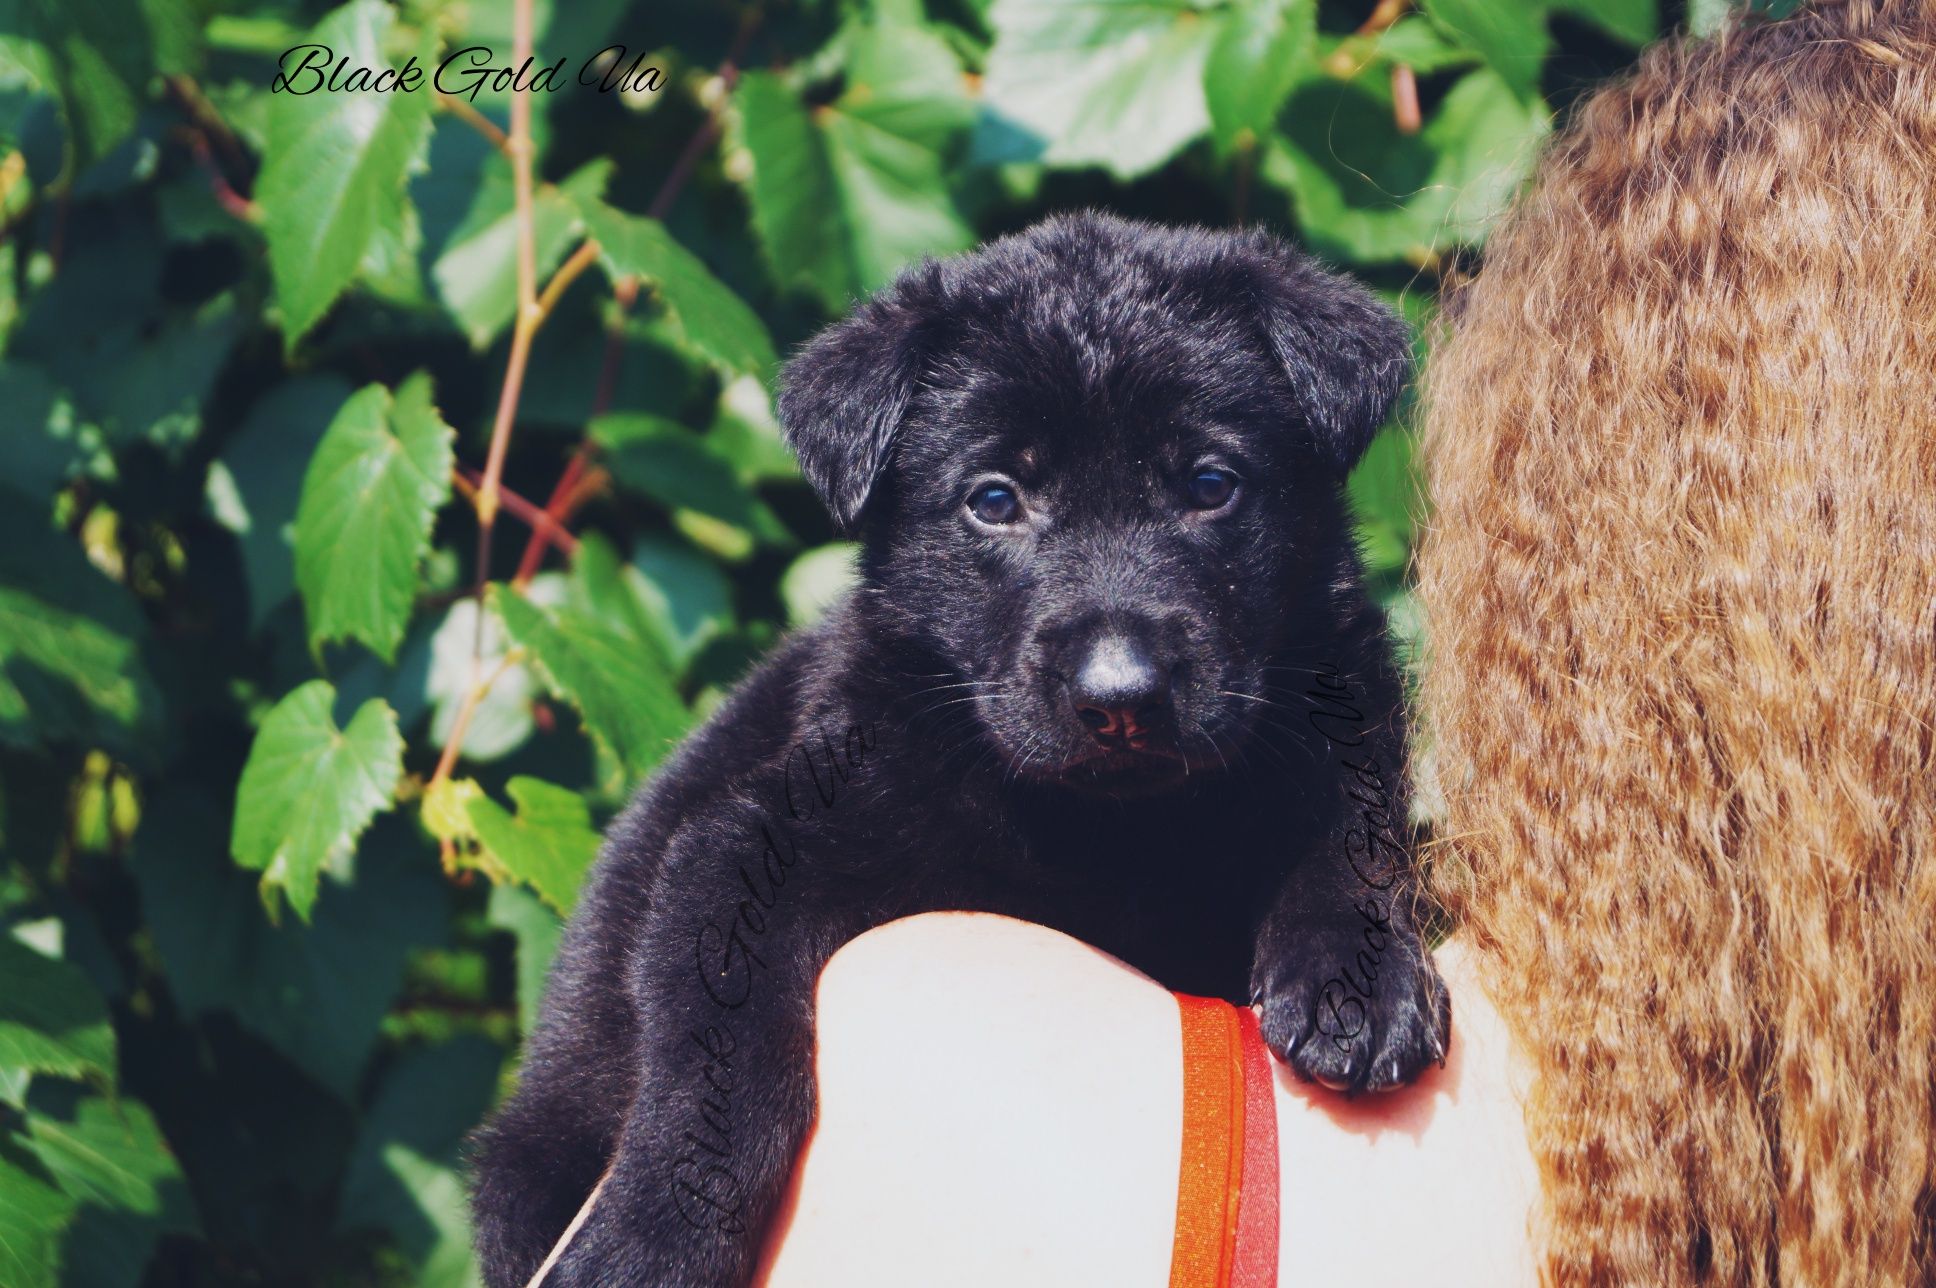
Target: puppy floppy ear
point(844, 395)
point(1346, 355)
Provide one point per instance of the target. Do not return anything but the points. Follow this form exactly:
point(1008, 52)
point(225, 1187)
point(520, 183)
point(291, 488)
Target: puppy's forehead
point(1090, 358)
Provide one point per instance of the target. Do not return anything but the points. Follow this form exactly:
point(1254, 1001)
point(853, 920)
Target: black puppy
point(1108, 668)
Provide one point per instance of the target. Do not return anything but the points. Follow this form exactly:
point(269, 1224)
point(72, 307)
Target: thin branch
point(463, 111)
point(581, 259)
point(542, 525)
point(1405, 113)
point(565, 496)
point(226, 196)
point(558, 506)
point(462, 724)
point(489, 486)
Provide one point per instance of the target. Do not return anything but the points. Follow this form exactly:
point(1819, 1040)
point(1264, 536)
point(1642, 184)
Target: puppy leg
point(535, 1160)
point(1351, 998)
point(725, 1095)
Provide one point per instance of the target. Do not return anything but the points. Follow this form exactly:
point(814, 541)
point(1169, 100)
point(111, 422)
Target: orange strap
point(1226, 1237)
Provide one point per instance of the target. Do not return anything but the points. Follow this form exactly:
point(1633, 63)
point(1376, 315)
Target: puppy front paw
point(1351, 1011)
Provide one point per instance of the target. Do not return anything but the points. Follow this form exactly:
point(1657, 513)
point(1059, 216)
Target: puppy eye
point(995, 503)
point(1211, 489)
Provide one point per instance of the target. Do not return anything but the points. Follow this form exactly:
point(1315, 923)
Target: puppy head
point(1095, 468)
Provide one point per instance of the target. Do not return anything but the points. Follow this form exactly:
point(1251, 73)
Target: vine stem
point(463, 111)
point(541, 523)
point(574, 487)
point(530, 316)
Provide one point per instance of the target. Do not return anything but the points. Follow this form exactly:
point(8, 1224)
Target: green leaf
point(158, 385)
point(623, 693)
point(549, 845)
point(537, 930)
point(746, 430)
point(601, 586)
point(1413, 41)
point(1260, 52)
point(1367, 193)
point(369, 500)
point(309, 789)
point(1509, 34)
point(816, 579)
point(502, 719)
point(684, 594)
point(70, 645)
point(712, 321)
point(1113, 83)
point(477, 272)
point(110, 1154)
point(404, 1175)
point(333, 175)
point(846, 193)
point(110, 1157)
point(33, 1216)
point(99, 57)
point(52, 1020)
point(684, 470)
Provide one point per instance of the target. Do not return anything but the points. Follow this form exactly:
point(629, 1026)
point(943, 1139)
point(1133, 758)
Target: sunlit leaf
point(368, 502)
point(713, 321)
point(309, 789)
point(333, 176)
point(846, 193)
point(549, 844)
point(622, 691)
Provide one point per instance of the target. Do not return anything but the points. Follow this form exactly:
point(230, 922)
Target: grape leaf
point(624, 695)
point(369, 500)
point(1510, 36)
point(1366, 193)
point(1261, 49)
point(846, 193)
point(550, 843)
point(309, 789)
point(51, 1018)
point(713, 321)
point(33, 1215)
point(1114, 83)
point(333, 174)
point(1634, 21)
point(110, 1157)
point(501, 720)
point(98, 58)
point(684, 470)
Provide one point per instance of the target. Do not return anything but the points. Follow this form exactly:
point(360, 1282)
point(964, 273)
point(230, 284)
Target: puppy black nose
point(1119, 690)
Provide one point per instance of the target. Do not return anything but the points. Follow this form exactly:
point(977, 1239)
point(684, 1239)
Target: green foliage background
point(261, 964)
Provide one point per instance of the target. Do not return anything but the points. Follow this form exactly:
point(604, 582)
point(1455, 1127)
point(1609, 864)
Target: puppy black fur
point(1090, 699)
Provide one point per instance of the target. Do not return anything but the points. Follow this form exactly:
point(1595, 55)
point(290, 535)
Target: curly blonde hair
point(1680, 686)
